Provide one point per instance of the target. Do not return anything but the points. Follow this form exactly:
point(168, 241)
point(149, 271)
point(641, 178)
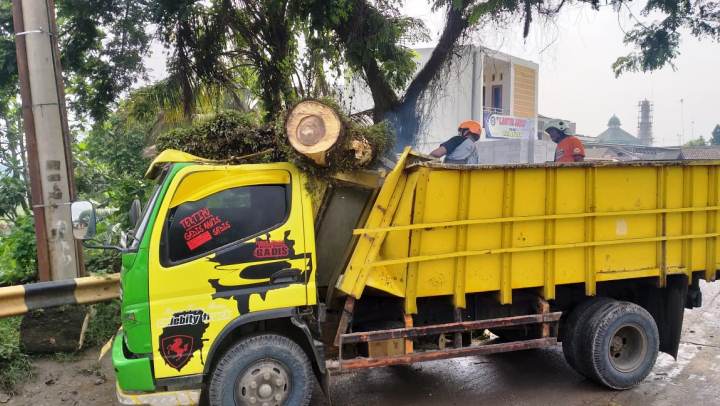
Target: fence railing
point(18, 300)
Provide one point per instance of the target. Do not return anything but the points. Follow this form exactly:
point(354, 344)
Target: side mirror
point(83, 220)
point(135, 212)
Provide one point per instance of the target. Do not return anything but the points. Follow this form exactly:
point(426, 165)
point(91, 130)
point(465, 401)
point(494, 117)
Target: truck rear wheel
point(263, 370)
point(620, 345)
point(577, 322)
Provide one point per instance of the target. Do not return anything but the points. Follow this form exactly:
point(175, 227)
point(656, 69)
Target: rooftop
point(616, 135)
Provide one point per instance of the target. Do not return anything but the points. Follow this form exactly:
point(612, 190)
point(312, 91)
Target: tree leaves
point(103, 43)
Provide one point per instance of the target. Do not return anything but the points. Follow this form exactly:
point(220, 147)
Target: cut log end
point(313, 129)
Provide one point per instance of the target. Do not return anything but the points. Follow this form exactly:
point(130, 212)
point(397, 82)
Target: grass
point(15, 366)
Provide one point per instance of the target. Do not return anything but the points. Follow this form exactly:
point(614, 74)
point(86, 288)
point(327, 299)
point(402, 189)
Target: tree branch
point(455, 26)
point(349, 31)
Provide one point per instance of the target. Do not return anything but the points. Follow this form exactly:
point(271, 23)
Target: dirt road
point(538, 377)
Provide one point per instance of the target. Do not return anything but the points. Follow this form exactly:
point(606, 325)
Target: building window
point(497, 97)
point(198, 227)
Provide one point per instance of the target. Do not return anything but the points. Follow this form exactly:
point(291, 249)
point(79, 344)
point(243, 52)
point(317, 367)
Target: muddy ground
point(536, 377)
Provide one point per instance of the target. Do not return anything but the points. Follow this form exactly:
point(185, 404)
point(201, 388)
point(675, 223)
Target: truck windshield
point(139, 231)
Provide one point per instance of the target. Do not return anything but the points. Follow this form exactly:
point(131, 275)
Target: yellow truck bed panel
point(439, 230)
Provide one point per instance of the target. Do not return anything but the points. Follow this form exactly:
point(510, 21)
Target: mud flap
point(667, 306)
point(318, 353)
point(675, 295)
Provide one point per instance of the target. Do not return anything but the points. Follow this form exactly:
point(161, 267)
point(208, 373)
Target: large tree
point(284, 48)
point(290, 44)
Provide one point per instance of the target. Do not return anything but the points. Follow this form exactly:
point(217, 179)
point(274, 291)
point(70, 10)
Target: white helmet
point(561, 125)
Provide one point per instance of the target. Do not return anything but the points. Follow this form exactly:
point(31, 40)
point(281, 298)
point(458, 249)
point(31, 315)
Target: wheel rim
point(627, 348)
point(264, 383)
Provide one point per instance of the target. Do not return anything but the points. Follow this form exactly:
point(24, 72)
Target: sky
point(575, 53)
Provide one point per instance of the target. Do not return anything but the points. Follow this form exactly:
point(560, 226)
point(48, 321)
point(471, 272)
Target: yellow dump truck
point(240, 282)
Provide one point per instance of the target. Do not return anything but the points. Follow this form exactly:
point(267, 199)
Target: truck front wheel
point(263, 370)
point(620, 346)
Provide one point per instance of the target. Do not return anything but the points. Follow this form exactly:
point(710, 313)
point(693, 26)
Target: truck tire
point(576, 323)
point(620, 345)
point(266, 369)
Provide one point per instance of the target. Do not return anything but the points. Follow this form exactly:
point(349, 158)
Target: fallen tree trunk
point(316, 130)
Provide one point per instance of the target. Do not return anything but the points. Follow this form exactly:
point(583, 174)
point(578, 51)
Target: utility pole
point(682, 121)
point(48, 138)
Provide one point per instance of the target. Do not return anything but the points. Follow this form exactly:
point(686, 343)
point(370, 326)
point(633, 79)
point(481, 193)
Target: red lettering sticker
point(196, 218)
point(199, 240)
point(221, 228)
point(201, 226)
point(270, 249)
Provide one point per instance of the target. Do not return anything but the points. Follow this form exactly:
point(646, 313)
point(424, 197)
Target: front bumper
point(183, 397)
point(133, 371)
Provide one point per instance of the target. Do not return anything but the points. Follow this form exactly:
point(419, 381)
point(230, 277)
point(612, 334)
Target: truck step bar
point(544, 318)
point(411, 332)
point(363, 363)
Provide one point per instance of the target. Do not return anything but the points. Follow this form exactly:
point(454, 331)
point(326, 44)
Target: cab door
point(228, 241)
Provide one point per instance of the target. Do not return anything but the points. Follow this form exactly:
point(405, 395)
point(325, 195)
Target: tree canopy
point(715, 136)
point(283, 50)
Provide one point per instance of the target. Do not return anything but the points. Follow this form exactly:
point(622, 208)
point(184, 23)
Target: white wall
point(452, 105)
point(454, 102)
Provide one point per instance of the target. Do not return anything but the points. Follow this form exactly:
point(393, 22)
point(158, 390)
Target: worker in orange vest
point(460, 149)
point(569, 147)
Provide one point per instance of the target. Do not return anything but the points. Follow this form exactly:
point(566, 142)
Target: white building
point(498, 89)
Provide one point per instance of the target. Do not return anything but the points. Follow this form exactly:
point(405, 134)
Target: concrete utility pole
point(48, 139)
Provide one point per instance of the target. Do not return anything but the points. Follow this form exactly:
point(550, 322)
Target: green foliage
point(104, 323)
point(102, 45)
point(657, 43)
point(697, 142)
point(227, 135)
point(15, 366)
point(13, 191)
point(18, 263)
point(715, 139)
point(8, 63)
point(109, 170)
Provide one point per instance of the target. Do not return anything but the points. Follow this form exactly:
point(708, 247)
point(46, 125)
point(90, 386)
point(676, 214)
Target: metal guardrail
point(18, 300)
